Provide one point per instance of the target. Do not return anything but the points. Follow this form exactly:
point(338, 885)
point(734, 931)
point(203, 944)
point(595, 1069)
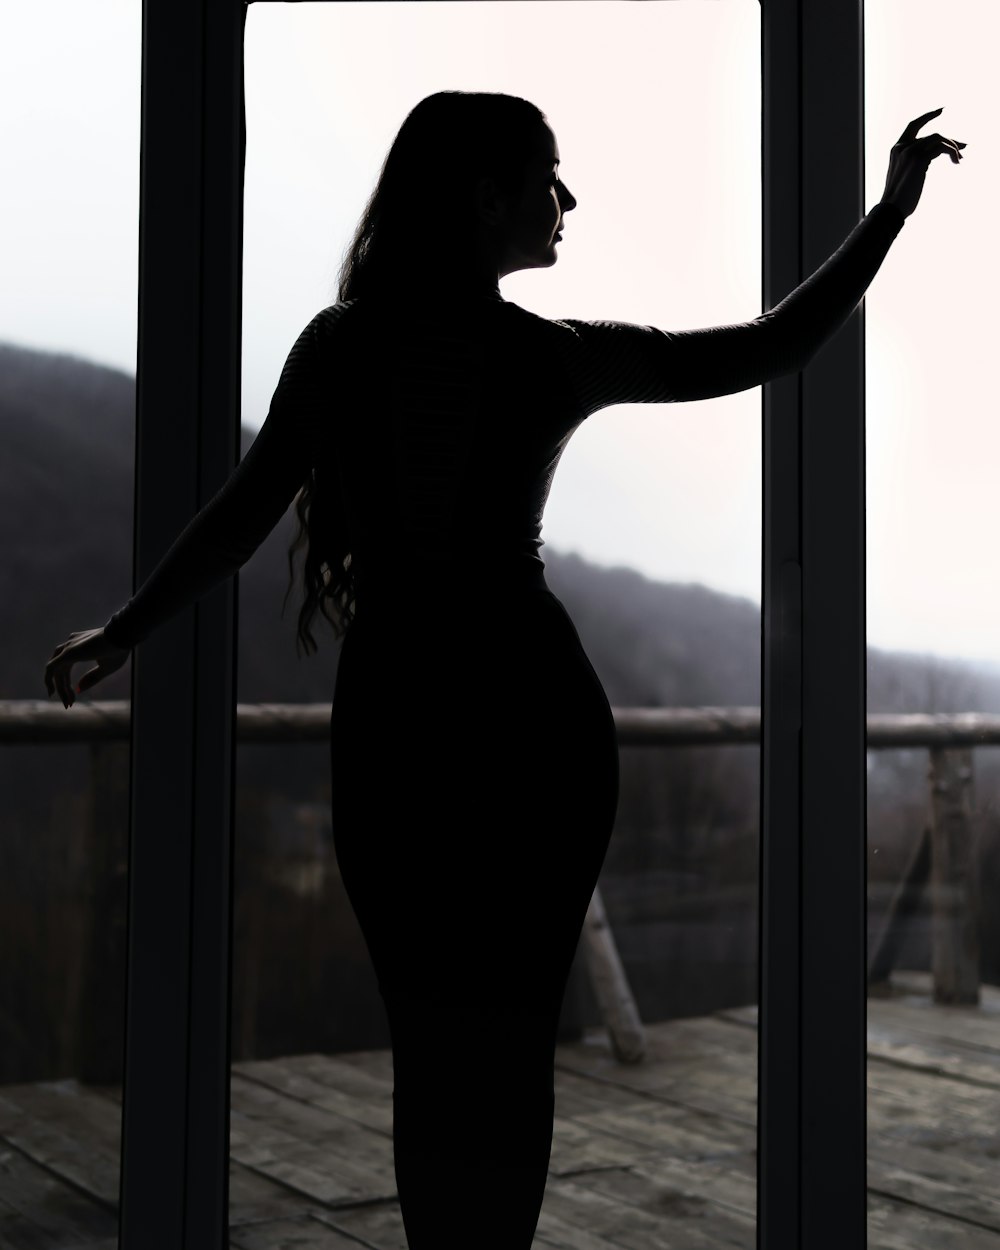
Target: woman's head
point(466, 189)
point(518, 230)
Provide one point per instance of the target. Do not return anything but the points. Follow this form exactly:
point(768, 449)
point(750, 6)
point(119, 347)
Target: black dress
point(473, 751)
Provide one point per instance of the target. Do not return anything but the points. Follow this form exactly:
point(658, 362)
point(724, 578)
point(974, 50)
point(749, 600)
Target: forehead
point(545, 147)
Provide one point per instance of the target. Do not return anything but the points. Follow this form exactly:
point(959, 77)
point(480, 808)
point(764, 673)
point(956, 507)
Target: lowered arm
point(226, 532)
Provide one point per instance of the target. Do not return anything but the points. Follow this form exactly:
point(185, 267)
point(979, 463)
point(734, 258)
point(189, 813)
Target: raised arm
point(220, 538)
point(617, 362)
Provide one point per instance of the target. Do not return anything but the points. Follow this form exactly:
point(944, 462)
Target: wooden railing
point(42, 720)
point(944, 855)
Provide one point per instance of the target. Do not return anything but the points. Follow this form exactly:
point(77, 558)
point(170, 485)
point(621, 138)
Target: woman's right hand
point(909, 160)
point(86, 644)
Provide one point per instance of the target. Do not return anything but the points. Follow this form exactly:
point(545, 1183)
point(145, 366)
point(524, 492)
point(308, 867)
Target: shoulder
point(558, 334)
point(529, 320)
point(575, 333)
point(334, 318)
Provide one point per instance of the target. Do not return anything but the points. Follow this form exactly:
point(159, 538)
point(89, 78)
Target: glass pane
point(69, 96)
point(652, 545)
point(934, 643)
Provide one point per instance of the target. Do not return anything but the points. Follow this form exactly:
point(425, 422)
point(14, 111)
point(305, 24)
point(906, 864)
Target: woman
point(473, 751)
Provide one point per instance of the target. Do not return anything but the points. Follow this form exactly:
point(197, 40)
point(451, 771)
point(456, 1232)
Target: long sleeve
point(617, 362)
point(226, 532)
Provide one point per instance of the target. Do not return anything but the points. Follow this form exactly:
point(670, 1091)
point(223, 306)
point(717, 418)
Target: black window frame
point(811, 1173)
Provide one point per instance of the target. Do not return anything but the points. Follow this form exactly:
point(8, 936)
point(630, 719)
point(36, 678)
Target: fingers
point(58, 671)
point(944, 145)
point(64, 686)
point(951, 145)
point(50, 676)
point(57, 681)
point(57, 675)
point(937, 145)
point(911, 130)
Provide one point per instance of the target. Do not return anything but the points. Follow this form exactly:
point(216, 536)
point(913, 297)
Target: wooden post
point(954, 878)
point(610, 985)
point(905, 902)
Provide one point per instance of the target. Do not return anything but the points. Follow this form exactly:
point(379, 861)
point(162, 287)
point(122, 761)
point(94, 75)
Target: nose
point(568, 199)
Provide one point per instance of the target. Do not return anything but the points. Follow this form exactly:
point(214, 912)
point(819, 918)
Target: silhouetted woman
point(417, 423)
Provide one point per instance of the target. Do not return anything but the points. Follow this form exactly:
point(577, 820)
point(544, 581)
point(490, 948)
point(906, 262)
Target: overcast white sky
point(657, 111)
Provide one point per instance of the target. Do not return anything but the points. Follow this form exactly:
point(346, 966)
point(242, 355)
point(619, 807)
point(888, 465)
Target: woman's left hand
point(909, 160)
point(87, 644)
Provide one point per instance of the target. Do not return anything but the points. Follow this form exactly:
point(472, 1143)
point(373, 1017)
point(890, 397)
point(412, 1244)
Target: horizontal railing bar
point(687, 726)
point(41, 720)
point(933, 729)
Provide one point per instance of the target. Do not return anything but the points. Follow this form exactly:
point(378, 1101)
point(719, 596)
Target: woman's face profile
point(528, 225)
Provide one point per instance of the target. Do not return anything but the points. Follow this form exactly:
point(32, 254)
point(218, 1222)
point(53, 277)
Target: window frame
point(811, 1126)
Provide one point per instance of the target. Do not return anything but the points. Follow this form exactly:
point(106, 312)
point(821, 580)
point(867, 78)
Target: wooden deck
point(660, 1156)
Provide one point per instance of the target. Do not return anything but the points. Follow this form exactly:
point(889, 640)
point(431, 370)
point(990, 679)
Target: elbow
point(785, 349)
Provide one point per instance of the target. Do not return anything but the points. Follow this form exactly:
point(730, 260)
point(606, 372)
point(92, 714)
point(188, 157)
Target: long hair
point(422, 206)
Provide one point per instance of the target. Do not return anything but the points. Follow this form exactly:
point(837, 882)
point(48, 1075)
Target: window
point(652, 541)
point(934, 639)
point(70, 95)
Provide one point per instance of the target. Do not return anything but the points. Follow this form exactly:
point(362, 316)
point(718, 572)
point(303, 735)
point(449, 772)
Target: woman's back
point(447, 442)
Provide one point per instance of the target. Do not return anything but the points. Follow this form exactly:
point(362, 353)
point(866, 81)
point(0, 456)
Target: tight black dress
point(473, 751)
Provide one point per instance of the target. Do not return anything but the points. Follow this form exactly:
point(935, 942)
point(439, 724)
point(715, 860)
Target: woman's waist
point(446, 579)
point(520, 628)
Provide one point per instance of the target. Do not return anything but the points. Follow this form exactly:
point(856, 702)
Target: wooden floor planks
point(655, 1156)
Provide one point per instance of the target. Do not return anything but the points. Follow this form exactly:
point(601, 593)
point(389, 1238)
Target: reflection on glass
point(70, 102)
point(652, 544)
point(934, 647)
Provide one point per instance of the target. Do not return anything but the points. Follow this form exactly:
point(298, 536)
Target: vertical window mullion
point(811, 1125)
point(175, 1131)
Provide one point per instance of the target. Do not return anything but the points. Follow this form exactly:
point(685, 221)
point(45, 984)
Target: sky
point(661, 147)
